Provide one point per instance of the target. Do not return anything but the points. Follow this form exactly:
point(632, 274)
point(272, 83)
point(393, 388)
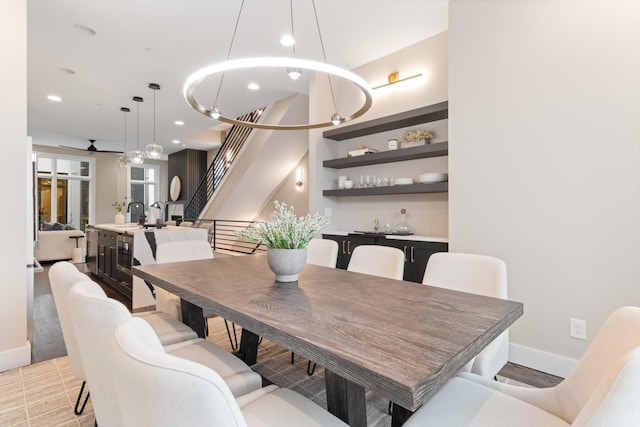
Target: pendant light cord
point(233, 37)
point(293, 36)
point(324, 55)
point(138, 127)
point(154, 115)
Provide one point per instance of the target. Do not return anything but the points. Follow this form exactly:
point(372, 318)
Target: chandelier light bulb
point(336, 119)
point(137, 157)
point(154, 151)
point(294, 73)
point(123, 161)
point(215, 112)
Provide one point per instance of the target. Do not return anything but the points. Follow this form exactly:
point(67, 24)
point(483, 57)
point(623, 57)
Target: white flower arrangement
point(284, 230)
point(412, 135)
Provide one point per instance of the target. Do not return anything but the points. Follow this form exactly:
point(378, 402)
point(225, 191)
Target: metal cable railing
point(221, 162)
point(223, 237)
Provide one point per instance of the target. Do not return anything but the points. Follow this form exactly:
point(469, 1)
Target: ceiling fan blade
point(107, 151)
point(72, 148)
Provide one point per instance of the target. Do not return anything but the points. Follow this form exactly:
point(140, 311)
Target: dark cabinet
point(416, 253)
point(346, 245)
point(107, 261)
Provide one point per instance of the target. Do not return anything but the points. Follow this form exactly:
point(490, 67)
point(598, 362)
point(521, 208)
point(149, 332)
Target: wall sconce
point(394, 78)
point(299, 179)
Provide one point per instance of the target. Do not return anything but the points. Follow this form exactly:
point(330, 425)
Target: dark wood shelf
point(424, 151)
point(438, 187)
point(418, 116)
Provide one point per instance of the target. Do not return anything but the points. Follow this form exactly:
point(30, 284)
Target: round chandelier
point(215, 112)
point(294, 68)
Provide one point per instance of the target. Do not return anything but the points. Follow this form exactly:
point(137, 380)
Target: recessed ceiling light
point(85, 30)
point(253, 86)
point(287, 40)
point(66, 70)
point(55, 98)
point(175, 141)
point(184, 145)
point(178, 123)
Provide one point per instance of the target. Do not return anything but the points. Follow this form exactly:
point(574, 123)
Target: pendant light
point(137, 156)
point(154, 150)
point(123, 160)
point(295, 67)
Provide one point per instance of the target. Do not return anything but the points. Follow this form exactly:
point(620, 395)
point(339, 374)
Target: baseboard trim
point(541, 361)
point(15, 357)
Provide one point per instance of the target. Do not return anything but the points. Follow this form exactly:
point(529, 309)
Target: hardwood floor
point(48, 342)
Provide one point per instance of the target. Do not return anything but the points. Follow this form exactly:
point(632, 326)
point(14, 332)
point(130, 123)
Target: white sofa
point(57, 245)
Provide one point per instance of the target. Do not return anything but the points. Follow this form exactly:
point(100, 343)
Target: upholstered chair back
point(95, 318)
point(383, 261)
point(583, 391)
point(158, 389)
point(323, 252)
point(62, 276)
point(178, 251)
point(477, 274)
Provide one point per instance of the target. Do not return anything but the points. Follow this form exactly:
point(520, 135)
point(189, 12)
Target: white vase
point(286, 263)
point(119, 218)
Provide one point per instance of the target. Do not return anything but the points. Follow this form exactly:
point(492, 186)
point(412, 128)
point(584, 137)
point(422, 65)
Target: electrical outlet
point(578, 328)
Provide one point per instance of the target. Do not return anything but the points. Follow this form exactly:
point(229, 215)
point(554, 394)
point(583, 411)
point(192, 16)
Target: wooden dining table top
point(402, 339)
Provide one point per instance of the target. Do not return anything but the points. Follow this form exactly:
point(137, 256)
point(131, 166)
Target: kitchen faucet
point(142, 216)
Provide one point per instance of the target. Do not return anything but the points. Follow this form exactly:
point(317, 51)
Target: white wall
point(427, 213)
point(15, 350)
point(544, 160)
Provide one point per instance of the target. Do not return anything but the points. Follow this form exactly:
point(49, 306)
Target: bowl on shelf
point(403, 181)
point(427, 178)
point(348, 184)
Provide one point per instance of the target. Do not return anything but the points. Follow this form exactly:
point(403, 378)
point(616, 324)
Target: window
point(65, 189)
point(144, 185)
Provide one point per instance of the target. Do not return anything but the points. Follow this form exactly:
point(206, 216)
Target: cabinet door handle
point(405, 253)
point(349, 247)
point(343, 251)
point(412, 258)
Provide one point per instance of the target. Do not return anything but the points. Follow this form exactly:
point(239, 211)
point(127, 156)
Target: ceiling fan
point(91, 148)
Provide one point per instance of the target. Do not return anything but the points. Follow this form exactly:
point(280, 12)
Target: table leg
point(248, 350)
point(399, 415)
point(192, 315)
point(345, 399)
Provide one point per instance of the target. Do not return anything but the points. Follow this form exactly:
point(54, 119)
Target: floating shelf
point(423, 151)
point(418, 116)
point(437, 187)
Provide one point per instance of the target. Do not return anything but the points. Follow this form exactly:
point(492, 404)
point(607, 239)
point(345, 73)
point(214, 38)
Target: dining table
point(402, 339)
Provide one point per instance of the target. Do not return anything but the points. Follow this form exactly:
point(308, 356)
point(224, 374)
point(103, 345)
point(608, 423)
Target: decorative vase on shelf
point(286, 263)
point(119, 218)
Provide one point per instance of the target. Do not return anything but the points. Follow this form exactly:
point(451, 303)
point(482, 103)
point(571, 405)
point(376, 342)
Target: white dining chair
point(476, 274)
point(323, 252)
point(383, 261)
point(62, 276)
point(603, 390)
point(94, 317)
point(157, 389)
point(180, 251)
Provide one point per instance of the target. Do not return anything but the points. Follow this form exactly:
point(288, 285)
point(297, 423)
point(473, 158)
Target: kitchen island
point(113, 249)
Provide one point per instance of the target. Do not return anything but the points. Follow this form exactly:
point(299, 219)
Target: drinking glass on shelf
point(361, 181)
point(368, 180)
point(385, 181)
point(391, 181)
